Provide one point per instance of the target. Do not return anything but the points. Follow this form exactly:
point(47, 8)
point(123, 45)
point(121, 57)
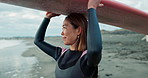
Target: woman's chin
point(66, 43)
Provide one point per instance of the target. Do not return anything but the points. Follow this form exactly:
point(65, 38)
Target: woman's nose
point(62, 33)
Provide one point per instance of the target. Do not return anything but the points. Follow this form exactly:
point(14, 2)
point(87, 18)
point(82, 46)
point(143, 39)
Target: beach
point(124, 55)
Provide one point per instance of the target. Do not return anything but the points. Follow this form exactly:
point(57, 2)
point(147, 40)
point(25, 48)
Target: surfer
point(84, 38)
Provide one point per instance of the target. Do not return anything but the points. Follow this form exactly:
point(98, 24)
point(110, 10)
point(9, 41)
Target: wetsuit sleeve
point(94, 40)
point(49, 49)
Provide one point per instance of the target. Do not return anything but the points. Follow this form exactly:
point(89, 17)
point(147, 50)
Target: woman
point(82, 58)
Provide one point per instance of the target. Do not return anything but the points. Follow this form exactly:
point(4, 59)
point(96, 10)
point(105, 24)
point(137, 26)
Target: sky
point(16, 21)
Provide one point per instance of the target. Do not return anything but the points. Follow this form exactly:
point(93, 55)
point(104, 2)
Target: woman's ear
point(79, 30)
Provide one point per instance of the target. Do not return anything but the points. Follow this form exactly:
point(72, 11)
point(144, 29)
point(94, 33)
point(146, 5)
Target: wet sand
point(124, 56)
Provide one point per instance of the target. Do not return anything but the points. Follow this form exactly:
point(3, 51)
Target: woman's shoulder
point(63, 50)
point(84, 53)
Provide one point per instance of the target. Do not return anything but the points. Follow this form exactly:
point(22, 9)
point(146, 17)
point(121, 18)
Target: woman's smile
point(63, 38)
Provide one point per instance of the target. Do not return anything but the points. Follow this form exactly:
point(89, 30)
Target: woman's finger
point(101, 5)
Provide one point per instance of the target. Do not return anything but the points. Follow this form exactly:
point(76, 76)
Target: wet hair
point(76, 20)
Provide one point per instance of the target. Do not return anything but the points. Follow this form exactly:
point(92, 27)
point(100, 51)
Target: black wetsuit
point(71, 64)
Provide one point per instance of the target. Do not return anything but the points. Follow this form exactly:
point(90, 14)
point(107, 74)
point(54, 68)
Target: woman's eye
point(64, 27)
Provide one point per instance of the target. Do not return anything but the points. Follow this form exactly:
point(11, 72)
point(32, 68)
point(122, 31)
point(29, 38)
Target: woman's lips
point(63, 38)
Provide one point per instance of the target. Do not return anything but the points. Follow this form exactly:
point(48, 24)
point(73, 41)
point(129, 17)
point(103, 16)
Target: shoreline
point(46, 65)
point(124, 56)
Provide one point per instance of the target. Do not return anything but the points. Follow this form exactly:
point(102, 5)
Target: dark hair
point(78, 19)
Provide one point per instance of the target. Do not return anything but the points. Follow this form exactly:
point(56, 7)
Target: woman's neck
point(72, 47)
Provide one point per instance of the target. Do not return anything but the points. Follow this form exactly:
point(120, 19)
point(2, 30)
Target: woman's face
point(69, 34)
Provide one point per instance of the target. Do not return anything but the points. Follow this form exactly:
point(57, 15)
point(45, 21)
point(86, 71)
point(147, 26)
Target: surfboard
point(112, 13)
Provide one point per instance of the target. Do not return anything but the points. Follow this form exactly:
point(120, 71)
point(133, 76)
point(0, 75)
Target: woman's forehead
point(66, 22)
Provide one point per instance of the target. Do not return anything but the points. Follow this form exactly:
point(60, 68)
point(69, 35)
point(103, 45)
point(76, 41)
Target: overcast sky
point(20, 21)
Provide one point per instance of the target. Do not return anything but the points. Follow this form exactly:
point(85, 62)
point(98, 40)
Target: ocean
point(12, 63)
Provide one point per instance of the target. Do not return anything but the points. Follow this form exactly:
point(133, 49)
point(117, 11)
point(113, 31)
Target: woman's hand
point(50, 15)
point(94, 4)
